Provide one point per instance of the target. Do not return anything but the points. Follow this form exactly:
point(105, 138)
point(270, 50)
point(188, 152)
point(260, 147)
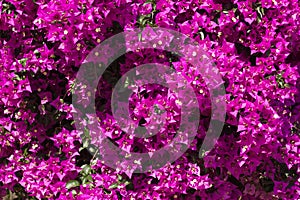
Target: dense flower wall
point(254, 44)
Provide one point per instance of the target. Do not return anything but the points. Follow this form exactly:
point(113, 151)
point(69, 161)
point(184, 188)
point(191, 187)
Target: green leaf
point(18, 78)
point(36, 51)
point(281, 82)
point(94, 162)
point(74, 192)
point(72, 184)
point(86, 169)
point(141, 19)
point(86, 138)
point(86, 133)
point(119, 177)
point(89, 178)
point(127, 183)
point(144, 22)
point(84, 180)
point(260, 12)
point(92, 150)
point(85, 143)
point(25, 153)
point(149, 1)
point(114, 185)
point(126, 82)
point(201, 35)
point(23, 61)
point(202, 153)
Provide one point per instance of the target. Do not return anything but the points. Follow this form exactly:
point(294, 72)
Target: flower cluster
point(255, 44)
